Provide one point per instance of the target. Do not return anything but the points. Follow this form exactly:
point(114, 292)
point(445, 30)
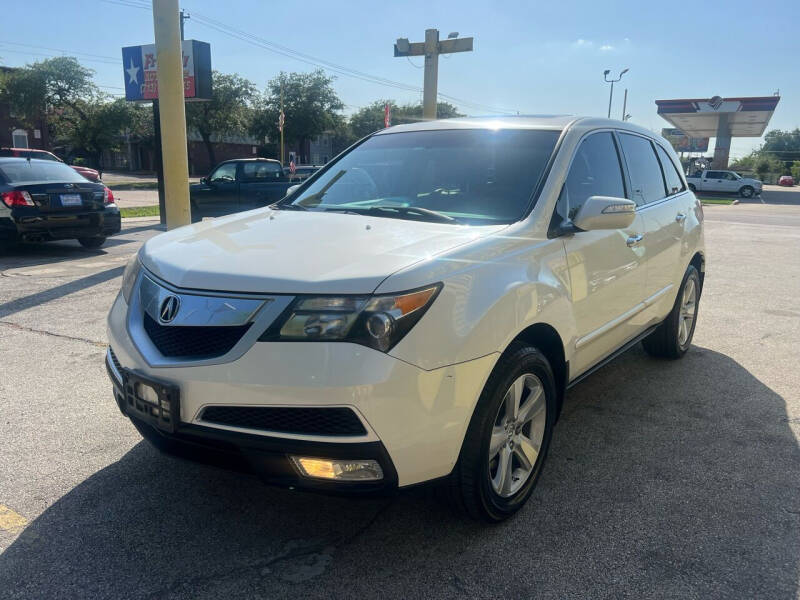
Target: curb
point(141, 219)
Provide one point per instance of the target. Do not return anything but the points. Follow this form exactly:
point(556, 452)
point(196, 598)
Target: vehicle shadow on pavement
point(665, 479)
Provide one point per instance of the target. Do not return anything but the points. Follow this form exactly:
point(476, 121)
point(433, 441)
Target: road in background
point(665, 479)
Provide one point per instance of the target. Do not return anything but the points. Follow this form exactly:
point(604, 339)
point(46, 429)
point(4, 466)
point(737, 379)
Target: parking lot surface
point(665, 479)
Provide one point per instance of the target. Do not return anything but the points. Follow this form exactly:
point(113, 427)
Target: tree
point(229, 111)
point(311, 107)
point(370, 118)
point(795, 170)
point(784, 145)
point(96, 125)
point(765, 165)
point(52, 85)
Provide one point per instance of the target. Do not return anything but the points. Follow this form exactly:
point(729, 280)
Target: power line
point(309, 59)
point(28, 52)
point(71, 52)
point(328, 65)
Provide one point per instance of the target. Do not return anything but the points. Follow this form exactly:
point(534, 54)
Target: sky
point(532, 57)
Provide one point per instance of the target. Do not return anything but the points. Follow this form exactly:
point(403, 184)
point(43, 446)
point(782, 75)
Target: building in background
point(15, 133)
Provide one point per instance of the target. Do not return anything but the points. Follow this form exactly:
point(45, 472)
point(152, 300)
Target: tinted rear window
point(644, 169)
point(24, 171)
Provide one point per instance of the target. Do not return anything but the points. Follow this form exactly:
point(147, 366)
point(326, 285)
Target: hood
point(291, 252)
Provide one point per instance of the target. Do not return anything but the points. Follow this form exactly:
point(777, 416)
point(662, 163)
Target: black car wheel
point(674, 335)
point(508, 437)
point(92, 242)
point(746, 192)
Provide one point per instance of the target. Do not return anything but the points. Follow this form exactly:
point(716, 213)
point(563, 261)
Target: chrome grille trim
point(203, 309)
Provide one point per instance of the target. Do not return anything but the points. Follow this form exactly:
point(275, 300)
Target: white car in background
point(724, 181)
point(416, 310)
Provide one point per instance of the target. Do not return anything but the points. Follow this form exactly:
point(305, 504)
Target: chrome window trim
point(261, 317)
point(658, 202)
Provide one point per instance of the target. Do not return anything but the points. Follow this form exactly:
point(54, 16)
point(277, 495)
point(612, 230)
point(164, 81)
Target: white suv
point(416, 310)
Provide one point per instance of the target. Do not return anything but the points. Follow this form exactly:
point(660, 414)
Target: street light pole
point(612, 82)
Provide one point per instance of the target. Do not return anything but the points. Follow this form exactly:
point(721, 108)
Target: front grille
point(332, 421)
point(194, 342)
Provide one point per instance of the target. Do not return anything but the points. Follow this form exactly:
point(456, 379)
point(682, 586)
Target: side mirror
point(605, 212)
point(292, 189)
point(204, 180)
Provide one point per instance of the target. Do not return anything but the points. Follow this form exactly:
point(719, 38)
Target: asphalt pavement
point(665, 479)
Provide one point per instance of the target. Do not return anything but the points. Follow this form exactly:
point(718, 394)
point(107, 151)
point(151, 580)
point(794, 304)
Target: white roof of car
point(557, 122)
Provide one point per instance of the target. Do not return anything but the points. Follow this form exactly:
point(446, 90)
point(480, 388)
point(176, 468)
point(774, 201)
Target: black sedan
point(42, 200)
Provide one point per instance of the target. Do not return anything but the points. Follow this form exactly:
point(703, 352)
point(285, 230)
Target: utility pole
point(431, 48)
point(172, 113)
point(184, 16)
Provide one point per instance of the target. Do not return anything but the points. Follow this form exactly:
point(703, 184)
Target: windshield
point(24, 171)
point(472, 176)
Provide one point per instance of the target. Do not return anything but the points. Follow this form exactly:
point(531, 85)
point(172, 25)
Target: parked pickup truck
point(238, 185)
point(724, 181)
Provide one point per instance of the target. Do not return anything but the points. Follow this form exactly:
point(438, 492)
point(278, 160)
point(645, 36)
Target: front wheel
point(673, 337)
point(508, 436)
point(92, 242)
point(746, 191)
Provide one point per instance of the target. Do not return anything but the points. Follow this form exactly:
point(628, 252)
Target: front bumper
point(414, 420)
point(61, 226)
point(263, 456)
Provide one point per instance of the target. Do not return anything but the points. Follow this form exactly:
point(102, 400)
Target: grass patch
point(139, 211)
point(725, 201)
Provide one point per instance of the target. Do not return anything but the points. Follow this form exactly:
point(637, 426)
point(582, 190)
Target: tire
point(472, 485)
point(692, 188)
point(669, 340)
point(746, 191)
point(92, 242)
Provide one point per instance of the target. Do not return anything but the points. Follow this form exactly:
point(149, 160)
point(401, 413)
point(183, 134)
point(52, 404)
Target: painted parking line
point(10, 519)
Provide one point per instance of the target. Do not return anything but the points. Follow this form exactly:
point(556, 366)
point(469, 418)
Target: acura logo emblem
point(169, 308)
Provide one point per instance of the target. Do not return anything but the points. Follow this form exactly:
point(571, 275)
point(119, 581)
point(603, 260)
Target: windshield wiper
point(429, 215)
point(279, 206)
point(308, 201)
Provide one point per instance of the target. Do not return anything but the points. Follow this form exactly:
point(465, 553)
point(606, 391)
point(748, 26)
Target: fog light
point(338, 470)
point(146, 393)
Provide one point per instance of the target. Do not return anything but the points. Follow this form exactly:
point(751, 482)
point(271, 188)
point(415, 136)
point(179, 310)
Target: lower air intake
point(323, 421)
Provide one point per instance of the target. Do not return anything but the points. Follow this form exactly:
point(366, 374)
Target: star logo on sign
point(133, 73)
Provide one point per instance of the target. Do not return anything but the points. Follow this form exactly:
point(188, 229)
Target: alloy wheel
point(688, 310)
point(517, 435)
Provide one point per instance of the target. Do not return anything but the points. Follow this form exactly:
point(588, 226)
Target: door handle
point(634, 240)
point(680, 217)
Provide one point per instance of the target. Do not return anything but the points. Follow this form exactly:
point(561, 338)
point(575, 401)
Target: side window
point(712, 175)
point(595, 171)
point(225, 173)
point(645, 172)
point(674, 181)
point(261, 170)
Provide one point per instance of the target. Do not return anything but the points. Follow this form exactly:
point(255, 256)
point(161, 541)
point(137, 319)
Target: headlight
point(375, 321)
point(129, 276)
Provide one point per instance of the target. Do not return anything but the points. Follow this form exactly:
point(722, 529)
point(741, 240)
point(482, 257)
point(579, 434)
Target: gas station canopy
point(699, 118)
point(720, 118)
